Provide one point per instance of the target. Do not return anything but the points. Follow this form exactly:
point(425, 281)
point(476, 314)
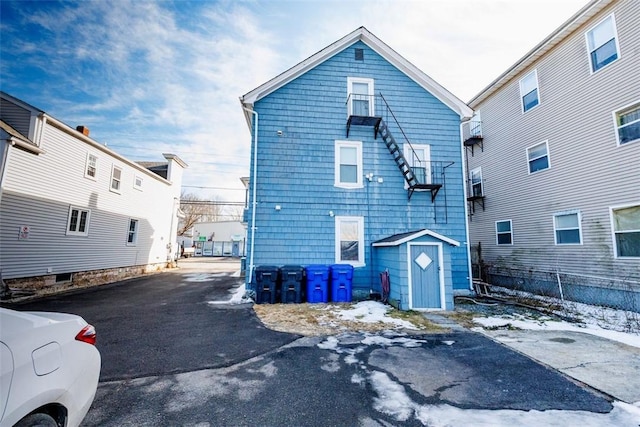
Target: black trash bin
point(267, 284)
point(291, 279)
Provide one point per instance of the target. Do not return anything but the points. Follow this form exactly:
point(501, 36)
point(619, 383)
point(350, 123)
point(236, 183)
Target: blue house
point(357, 159)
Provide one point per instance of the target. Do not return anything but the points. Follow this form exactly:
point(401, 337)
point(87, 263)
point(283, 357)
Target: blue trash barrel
point(341, 282)
point(291, 278)
point(317, 283)
point(267, 284)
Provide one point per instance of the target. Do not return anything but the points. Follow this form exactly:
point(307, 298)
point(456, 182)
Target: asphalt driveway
point(163, 323)
point(170, 357)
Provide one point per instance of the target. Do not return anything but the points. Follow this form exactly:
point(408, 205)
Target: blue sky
point(149, 77)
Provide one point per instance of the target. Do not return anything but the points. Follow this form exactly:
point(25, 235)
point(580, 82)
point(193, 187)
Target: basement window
point(64, 277)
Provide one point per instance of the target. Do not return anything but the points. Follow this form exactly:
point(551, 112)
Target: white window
point(567, 228)
point(78, 221)
point(132, 235)
point(538, 157)
point(348, 164)
point(360, 99)
point(529, 91)
point(602, 44)
point(116, 178)
point(504, 233)
point(137, 182)
point(625, 223)
point(350, 240)
point(627, 122)
point(476, 182)
point(91, 167)
point(419, 158)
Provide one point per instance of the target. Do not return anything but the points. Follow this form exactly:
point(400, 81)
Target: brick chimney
point(83, 130)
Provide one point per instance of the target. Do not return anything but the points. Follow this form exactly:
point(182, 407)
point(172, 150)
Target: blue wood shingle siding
point(296, 169)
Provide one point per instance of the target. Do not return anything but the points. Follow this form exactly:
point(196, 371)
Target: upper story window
point(529, 91)
point(476, 182)
point(538, 157)
point(626, 231)
point(602, 44)
point(137, 182)
point(78, 221)
point(627, 122)
point(504, 233)
point(567, 228)
point(419, 158)
point(348, 164)
point(350, 240)
point(91, 167)
point(116, 179)
point(132, 236)
point(360, 97)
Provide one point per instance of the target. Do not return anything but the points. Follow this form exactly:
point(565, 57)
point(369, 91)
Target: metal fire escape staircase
point(403, 164)
point(420, 175)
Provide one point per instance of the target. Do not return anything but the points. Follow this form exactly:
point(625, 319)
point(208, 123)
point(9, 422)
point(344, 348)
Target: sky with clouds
point(150, 77)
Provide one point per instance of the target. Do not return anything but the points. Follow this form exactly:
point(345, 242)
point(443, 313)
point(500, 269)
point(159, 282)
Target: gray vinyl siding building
point(72, 210)
point(554, 198)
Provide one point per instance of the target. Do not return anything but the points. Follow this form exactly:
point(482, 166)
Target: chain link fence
point(623, 294)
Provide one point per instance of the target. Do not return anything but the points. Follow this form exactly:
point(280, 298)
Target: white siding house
point(553, 163)
point(73, 211)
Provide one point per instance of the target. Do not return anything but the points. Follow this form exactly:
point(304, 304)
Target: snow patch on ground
point(546, 324)
point(237, 296)
point(370, 312)
point(394, 401)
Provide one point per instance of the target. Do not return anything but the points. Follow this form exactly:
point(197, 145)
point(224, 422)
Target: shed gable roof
point(399, 239)
point(377, 45)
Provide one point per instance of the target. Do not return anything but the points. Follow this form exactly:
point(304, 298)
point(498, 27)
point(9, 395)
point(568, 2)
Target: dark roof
point(397, 237)
point(159, 168)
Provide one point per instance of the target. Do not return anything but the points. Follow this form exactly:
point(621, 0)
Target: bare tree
point(235, 213)
point(196, 210)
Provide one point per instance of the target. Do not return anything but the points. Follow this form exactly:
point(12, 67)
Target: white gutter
point(466, 205)
point(253, 191)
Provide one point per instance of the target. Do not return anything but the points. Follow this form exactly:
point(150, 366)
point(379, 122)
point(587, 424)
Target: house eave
point(555, 38)
point(361, 34)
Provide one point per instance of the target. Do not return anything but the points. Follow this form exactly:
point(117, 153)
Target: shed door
point(425, 277)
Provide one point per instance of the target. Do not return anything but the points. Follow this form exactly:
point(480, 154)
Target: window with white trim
point(476, 182)
point(116, 179)
point(78, 221)
point(529, 96)
point(602, 44)
point(419, 158)
point(567, 228)
point(350, 240)
point(625, 223)
point(91, 167)
point(627, 122)
point(360, 99)
point(538, 157)
point(504, 233)
point(348, 164)
point(132, 234)
point(137, 182)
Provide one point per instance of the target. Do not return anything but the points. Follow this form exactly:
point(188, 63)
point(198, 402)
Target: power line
point(214, 188)
point(210, 203)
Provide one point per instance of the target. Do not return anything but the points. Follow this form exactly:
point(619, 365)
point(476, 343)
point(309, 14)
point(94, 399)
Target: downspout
point(253, 192)
point(466, 205)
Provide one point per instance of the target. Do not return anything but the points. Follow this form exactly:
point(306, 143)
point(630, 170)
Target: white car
point(49, 369)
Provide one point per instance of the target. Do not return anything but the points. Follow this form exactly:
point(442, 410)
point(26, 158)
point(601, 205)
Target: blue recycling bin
point(267, 284)
point(341, 282)
point(317, 283)
point(291, 278)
